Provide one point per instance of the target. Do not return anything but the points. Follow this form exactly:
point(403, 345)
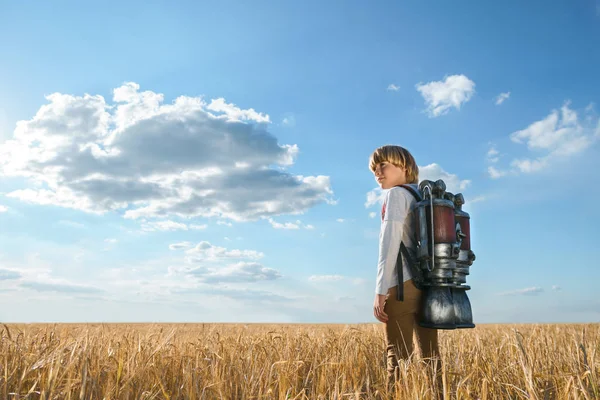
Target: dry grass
point(196, 361)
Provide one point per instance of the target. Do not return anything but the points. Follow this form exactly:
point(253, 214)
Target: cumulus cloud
point(372, 214)
point(204, 251)
point(502, 97)
point(213, 264)
point(492, 154)
point(433, 172)
point(441, 96)
point(289, 225)
point(375, 196)
point(238, 272)
point(3, 208)
point(392, 88)
point(496, 173)
point(559, 135)
point(535, 290)
point(153, 160)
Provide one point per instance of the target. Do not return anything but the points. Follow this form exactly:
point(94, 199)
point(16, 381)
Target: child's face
point(388, 175)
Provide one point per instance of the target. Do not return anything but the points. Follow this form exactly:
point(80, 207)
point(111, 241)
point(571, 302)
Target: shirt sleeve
point(390, 236)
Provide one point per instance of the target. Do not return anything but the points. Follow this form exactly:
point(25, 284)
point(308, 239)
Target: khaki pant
point(402, 323)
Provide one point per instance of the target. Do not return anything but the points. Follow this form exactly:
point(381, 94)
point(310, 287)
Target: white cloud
point(198, 227)
point(204, 251)
point(289, 121)
point(325, 278)
point(236, 114)
point(341, 220)
point(239, 272)
point(502, 97)
point(441, 96)
point(204, 261)
point(289, 225)
point(166, 226)
point(375, 196)
point(556, 288)
point(433, 172)
point(180, 246)
point(154, 160)
point(495, 173)
point(527, 291)
point(3, 208)
point(561, 134)
point(372, 214)
point(393, 88)
point(110, 240)
point(224, 223)
point(492, 155)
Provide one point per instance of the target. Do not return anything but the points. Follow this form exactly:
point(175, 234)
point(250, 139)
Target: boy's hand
point(378, 308)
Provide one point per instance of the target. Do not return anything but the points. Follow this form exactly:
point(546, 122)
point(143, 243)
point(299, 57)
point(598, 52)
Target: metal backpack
point(442, 259)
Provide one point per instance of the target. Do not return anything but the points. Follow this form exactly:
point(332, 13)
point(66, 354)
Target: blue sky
point(209, 161)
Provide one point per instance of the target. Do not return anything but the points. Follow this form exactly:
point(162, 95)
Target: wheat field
point(262, 361)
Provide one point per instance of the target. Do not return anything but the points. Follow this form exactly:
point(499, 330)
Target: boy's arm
point(390, 237)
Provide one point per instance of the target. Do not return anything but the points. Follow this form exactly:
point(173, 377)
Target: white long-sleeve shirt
point(397, 225)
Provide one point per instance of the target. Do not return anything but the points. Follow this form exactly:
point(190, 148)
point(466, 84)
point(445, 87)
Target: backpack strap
point(404, 251)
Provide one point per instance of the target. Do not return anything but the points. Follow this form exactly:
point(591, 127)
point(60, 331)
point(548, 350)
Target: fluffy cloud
point(211, 264)
point(239, 272)
point(393, 88)
point(3, 209)
point(492, 155)
point(441, 96)
point(560, 135)
point(204, 251)
point(289, 225)
point(433, 172)
point(186, 159)
point(495, 173)
point(502, 97)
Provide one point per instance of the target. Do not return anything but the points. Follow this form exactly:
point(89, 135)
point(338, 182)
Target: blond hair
point(398, 156)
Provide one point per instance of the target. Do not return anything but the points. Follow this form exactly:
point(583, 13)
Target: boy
point(394, 166)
